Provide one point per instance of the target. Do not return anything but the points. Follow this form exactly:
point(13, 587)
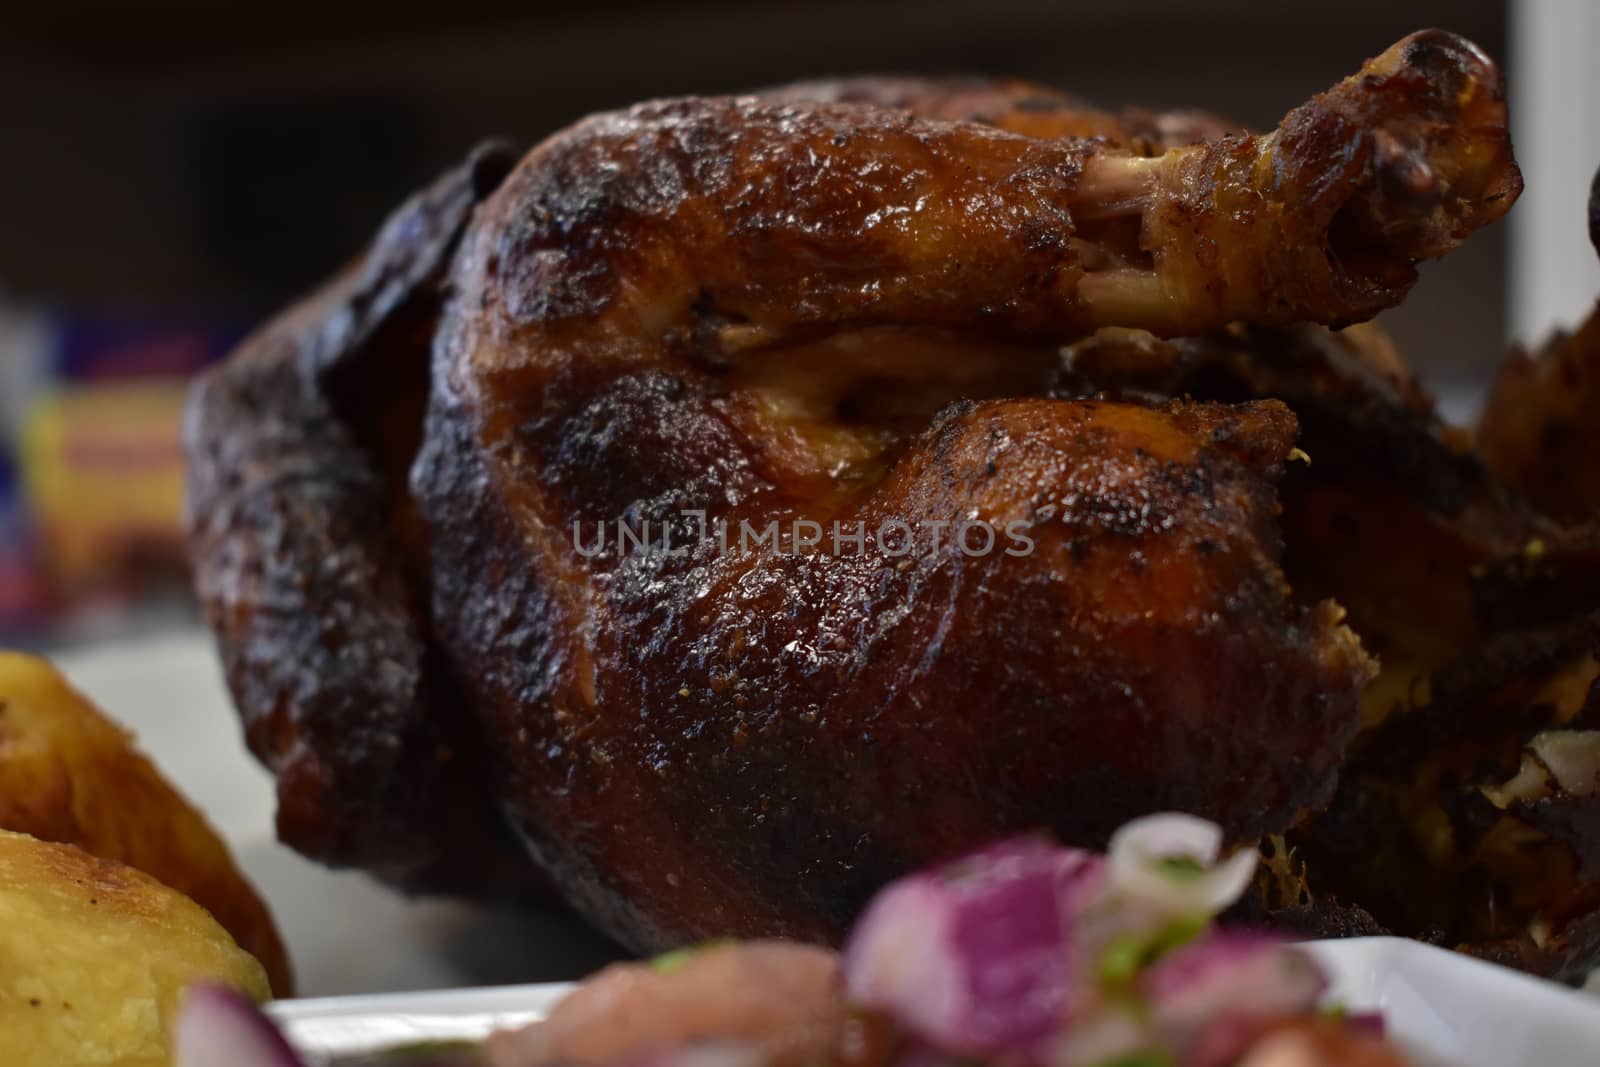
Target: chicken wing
point(310, 562)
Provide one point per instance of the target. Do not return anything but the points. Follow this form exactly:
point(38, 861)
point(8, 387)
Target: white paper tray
point(1444, 1008)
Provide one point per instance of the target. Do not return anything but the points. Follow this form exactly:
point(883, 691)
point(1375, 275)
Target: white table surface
point(345, 933)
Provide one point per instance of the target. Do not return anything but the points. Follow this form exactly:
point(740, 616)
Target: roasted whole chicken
point(737, 502)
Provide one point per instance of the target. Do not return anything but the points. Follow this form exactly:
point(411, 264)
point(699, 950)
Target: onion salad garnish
point(976, 957)
point(1027, 954)
point(1021, 954)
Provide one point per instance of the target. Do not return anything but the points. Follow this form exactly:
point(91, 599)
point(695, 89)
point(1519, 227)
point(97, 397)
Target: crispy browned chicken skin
point(826, 304)
point(311, 563)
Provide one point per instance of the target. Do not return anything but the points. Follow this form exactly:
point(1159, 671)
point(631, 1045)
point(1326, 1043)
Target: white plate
point(1445, 1009)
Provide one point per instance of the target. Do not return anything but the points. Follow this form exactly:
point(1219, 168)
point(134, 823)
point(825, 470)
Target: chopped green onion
point(1153, 1057)
point(671, 961)
point(1121, 960)
point(1175, 933)
point(1181, 868)
point(1129, 954)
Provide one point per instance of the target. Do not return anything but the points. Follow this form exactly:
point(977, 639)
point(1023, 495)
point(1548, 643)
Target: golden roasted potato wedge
point(95, 957)
point(69, 774)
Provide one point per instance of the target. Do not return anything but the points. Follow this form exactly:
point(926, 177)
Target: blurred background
point(173, 171)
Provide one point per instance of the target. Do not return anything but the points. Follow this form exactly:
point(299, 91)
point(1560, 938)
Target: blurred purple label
point(112, 349)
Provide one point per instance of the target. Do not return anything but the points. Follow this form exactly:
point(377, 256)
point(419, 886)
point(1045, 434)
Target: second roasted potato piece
point(69, 774)
point(97, 957)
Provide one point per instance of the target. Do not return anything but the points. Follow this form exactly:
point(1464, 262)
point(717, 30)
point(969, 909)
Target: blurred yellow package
point(102, 466)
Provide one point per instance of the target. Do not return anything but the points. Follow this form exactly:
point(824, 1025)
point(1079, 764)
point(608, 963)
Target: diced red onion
point(219, 1027)
point(1230, 975)
point(1367, 1024)
point(976, 958)
point(1140, 865)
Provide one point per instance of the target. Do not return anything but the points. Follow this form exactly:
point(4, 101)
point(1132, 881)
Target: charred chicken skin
point(311, 563)
point(837, 306)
